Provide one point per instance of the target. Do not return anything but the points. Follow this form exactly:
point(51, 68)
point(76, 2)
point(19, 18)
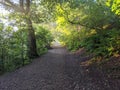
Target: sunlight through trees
point(89, 24)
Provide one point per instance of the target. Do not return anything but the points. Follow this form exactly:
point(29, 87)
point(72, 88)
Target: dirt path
point(56, 70)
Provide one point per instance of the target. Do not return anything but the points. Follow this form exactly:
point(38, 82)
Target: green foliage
point(44, 39)
point(103, 44)
point(114, 5)
point(72, 41)
point(72, 38)
point(92, 24)
point(13, 46)
point(100, 26)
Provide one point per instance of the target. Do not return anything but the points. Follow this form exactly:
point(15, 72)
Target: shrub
point(105, 44)
point(43, 38)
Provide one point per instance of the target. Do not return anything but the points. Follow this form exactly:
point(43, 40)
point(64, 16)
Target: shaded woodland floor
point(57, 70)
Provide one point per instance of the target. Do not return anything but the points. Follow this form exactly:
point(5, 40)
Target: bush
point(105, 44)
point(43, 38)
point(72, 40)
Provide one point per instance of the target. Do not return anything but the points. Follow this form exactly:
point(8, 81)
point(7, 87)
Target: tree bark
point(32, 47)
point(24, 8)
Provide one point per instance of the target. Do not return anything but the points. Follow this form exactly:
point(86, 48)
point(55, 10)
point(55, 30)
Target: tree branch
point(11, 5)
point(27, 6)
point(22, 5)
point(77, 22)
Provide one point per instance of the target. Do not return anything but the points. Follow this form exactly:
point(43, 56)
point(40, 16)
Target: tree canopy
point(89, 24)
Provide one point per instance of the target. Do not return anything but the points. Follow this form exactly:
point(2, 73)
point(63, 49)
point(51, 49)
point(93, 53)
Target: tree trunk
point(32, 48)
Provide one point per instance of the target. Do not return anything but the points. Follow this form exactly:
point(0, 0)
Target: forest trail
point(56, 70)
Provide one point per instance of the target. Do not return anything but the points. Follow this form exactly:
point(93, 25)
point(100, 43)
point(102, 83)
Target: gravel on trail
point(56, 70)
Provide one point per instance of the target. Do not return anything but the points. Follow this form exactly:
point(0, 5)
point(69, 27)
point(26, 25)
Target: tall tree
point(23, 7)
